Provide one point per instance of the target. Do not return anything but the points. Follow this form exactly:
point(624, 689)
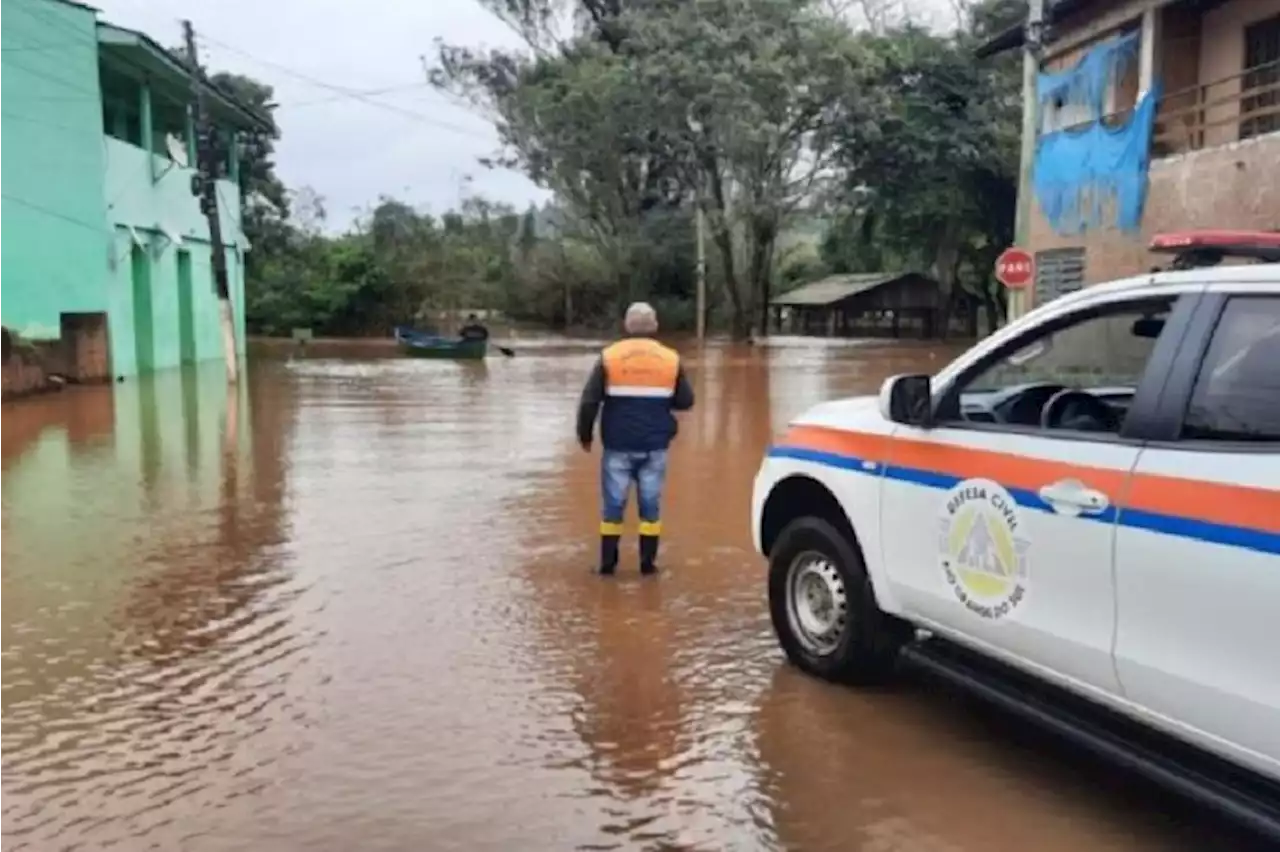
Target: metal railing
point(1238, 107)
point(1232, 108)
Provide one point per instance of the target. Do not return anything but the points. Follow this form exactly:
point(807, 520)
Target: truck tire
point(823, 609)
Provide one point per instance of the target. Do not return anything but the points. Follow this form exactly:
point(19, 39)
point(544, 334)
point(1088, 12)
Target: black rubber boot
point(648, 554)
point(608, 554)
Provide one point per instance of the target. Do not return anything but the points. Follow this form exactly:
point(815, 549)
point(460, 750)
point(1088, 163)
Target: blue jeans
point(618, 469)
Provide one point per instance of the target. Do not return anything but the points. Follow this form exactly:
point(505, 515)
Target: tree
point(577, 124)
point(654, 105)
point(745, 94)
point(927, 141)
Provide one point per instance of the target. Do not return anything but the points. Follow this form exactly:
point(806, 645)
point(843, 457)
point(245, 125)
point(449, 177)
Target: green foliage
point(397, 265)
point(927, 145)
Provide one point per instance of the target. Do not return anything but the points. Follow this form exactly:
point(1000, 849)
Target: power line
point(342, 91)
point(49, 211)
point(44, 74)
point(35, 48)
point(407, 87)
point(90, 41)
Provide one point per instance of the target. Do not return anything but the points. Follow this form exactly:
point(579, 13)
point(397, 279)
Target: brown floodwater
point(349, 607)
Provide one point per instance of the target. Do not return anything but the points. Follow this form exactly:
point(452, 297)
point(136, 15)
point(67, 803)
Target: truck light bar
point(1208, 247)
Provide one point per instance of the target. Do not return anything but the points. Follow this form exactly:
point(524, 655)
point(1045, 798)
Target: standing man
point(639, 382)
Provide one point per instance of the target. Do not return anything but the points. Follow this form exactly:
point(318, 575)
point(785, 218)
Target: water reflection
point(143, 614)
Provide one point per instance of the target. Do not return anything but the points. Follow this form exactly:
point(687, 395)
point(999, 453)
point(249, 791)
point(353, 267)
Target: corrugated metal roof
point(833, 288)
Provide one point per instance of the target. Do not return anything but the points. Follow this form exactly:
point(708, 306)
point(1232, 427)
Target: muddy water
point(349, 608)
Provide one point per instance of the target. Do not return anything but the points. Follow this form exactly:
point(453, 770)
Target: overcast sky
point(419, 146)
point(350, 151)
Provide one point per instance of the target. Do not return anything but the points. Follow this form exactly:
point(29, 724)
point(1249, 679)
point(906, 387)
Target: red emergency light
point(1208, 247)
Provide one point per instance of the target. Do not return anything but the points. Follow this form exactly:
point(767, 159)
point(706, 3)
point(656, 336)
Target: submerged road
point(350, 608)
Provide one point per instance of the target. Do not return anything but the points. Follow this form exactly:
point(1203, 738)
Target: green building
point(102, 232)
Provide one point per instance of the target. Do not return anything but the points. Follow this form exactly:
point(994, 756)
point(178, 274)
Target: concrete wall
point(158, 214)
point(28, 368)
point(1230, 186)
point(55, 239)
point(80, 354)
point(1226, 184)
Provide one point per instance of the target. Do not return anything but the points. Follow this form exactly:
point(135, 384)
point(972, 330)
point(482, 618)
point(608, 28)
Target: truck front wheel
point(823, 609)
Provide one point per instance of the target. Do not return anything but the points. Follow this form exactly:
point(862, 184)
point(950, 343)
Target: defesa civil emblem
point(983, 549)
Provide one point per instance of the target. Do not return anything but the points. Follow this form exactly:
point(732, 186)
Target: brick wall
point(1231, 186)
point(81, 355)
point(28, 366)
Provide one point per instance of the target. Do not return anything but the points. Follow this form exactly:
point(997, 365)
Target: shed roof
point(836, 288)
point(140, 56)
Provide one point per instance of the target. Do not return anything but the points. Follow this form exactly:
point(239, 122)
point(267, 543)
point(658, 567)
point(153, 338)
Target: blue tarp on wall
point(1097, 176)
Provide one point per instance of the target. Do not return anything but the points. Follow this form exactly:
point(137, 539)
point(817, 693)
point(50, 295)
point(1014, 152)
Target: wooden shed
point(873, 304)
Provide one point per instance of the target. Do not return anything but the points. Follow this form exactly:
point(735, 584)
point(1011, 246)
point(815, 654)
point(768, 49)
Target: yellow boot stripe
point(610, 528)
point(651, 528)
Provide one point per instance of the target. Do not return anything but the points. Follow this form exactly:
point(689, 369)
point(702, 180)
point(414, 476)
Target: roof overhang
point(1016, 36)
point(77, 4)
point(139, 56)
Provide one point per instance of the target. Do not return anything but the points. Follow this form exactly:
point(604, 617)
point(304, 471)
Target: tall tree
point(927, 140)
point(745, 90)
point(654, 103)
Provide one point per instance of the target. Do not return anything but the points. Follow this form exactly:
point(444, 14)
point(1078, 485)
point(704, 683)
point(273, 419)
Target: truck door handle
point(1072, 497)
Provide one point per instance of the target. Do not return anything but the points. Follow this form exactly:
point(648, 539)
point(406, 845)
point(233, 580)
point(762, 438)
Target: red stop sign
point(1015, 268)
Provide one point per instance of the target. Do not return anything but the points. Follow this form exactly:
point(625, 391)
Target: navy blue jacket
point(634, 418)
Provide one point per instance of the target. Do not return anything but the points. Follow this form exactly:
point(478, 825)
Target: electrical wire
point(45, 74)
point(34, 48)
point(48, 211)
point(341, 92)
point(407, 87)
point(344, 92)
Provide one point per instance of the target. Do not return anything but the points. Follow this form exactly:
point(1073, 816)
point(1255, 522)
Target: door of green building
point(186, 311)
point(143, 324)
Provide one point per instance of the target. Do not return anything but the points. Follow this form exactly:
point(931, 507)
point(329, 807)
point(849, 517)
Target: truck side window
point(1236, 396)
point(1101, 354)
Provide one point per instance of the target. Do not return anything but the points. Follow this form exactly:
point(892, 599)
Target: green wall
point(163, 303)
point(86, 227)
point(159, 214)
point(55, 231)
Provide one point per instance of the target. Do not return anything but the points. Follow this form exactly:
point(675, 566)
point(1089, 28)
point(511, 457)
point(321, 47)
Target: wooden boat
point(422, 344)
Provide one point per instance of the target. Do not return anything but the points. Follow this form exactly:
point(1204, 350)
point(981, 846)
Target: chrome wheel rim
point(817, 602)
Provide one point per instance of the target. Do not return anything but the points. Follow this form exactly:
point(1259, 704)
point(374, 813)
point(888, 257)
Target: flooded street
point(351, 608)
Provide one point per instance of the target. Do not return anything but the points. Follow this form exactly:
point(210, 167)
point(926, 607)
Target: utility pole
point(1020, 300)
point(700, 224)
point(206, 180)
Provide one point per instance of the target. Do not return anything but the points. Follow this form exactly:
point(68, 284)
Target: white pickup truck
point(1079, 518)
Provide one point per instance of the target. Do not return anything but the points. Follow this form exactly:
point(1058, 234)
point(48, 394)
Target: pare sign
point(1015, 268)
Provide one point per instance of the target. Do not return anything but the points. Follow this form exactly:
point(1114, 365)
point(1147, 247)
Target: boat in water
point(425, 344)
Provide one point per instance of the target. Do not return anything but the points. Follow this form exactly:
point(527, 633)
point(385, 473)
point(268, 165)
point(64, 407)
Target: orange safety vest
point(640, 378)
point(640, 367)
